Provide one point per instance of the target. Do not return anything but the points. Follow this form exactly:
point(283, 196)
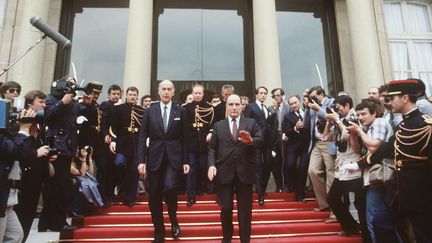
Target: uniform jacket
point(414, 180)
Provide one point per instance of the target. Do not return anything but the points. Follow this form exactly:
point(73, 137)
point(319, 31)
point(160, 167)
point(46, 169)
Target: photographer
point(85, 184)
point(348, 151)
point(60, 117)
point(34, 171)
point(373, 132)
point(13, 148)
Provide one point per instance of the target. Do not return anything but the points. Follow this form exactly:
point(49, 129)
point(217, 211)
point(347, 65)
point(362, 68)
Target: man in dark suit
point(166, 125)
point(232, 163)
point(296, 148)
point(259, 112)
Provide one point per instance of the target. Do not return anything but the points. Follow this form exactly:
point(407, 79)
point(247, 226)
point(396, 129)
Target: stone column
point(266, 49)
point(368, 70)
point(137, 70)
point(29, 70)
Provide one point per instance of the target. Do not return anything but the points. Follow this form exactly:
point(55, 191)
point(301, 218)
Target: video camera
point(61, 87)
point(10, 115)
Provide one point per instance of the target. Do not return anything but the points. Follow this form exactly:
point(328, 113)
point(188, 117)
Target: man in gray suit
point(278, 111)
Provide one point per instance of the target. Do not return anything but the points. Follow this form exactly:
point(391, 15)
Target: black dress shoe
point(67, 227)
point(128, 203)
point(190, 202)
point(261, 200)
point(175, 230)
point(158, 239)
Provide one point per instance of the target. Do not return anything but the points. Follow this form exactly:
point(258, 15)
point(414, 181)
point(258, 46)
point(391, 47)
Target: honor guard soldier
point(107, 109)
point(89, 132)
point(411, 149)
point(125, 125)
point(201, 118)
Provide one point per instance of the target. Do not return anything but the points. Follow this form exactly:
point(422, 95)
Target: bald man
point(165, 124)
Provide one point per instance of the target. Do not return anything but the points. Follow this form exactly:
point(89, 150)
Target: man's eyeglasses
point(13, 90)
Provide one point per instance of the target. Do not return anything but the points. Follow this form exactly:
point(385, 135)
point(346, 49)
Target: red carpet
point(281, 219)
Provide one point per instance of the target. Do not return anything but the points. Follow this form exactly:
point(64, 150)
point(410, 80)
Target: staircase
point(280, 219)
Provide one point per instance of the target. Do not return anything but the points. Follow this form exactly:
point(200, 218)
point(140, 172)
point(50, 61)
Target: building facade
point(349, 45)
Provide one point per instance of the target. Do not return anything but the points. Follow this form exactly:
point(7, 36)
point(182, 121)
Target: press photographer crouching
point(13, 148)
point(34, 171)
point(348, 152)
point(61, 128)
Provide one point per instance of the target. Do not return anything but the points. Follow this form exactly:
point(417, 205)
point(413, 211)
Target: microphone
point(50, 32)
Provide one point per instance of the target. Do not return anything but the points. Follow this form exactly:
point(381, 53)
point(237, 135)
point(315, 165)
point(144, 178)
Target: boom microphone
point(50, 32)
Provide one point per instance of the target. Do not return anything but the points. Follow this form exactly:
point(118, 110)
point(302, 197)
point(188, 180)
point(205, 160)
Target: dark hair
point(31, 96)
point(276, 89)
point(216, 96)
point(413, 98)
point(132, 88)
point(373, 105)
point(319, 90)
point(383, 88)
point(8, 85)
point(260, 87)
point(113, 87)
point(144, 97)
point(422, 87)
point(343, 100)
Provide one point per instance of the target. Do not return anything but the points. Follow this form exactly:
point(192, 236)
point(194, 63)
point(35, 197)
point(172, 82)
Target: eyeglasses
point(13, 90)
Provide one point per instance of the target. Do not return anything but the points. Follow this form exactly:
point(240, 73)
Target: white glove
point(273, 154)
point(81, 120)
point(284, 137)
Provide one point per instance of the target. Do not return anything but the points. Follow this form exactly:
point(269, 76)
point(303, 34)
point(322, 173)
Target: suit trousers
point(296, 169)
point(163, 183)
point(10, 227)
point(197, 180)
point(321, 172)
point(31, 187)
point(225, 194)
point(273, 165)
point(57, 195)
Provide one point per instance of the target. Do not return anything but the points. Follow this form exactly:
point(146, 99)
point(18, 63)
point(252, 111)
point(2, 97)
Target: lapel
point(173, 113)
point(227, 130)
point(260, 111)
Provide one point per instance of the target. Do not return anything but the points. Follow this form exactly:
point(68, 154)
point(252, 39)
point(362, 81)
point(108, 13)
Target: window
point(410, 33)
point(2, 13)
point(305, 46)
point(98, 31)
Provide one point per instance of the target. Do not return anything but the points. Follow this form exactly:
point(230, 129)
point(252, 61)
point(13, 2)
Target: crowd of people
point(80, 152)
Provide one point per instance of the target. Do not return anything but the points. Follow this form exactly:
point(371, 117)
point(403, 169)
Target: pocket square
point(177, 119)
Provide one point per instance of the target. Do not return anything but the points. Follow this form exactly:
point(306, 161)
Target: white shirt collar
point(162, 105)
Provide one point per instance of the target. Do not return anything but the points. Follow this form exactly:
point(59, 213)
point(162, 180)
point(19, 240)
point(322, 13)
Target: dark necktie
point(299, 115)
point(234, 129)
point(262, 108)
point(165, 118)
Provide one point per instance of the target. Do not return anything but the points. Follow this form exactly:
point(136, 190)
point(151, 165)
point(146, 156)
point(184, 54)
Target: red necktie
point(234, 129)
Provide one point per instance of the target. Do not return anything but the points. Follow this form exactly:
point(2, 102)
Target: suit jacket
point(254, 111)
point(231, 156)
point(273, 123)
point(321, 113)
point(107, 108)
point(62, 125)
point(173, 143)
point(296, 139)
